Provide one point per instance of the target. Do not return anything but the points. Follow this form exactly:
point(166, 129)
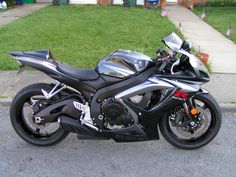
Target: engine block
point(115, 113)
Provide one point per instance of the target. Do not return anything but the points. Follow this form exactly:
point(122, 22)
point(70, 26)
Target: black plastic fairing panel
point(43, 54)
point(128, 134)
point(87, 86)
point(183, 75)
point(103, 81)
point(82, 87)
point(112, 90)
point(39, 54)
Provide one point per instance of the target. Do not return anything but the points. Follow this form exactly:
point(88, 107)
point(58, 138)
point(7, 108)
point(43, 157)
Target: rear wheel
point(199, 131)
point(27, 102)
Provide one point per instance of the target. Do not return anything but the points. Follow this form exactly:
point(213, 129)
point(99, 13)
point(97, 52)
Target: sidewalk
point(18, 12)
point(222, 51)
point(13, 82)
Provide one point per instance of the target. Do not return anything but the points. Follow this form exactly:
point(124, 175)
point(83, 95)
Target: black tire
point(206, 138)
point(20, 126)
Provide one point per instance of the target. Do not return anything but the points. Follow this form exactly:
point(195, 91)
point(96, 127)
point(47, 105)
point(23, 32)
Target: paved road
point(92, 158)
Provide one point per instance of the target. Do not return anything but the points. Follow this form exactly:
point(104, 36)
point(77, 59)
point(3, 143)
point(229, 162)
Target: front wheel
point(184, 133)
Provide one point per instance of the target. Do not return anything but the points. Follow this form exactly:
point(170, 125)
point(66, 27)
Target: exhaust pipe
point(73, 125)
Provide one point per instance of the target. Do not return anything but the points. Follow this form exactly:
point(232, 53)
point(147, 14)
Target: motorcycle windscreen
point(173, 41)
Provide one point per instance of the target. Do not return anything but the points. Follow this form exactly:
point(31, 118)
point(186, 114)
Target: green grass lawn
point(3, 10)
point(81, 35)
point(8, 8)
point(220, 18)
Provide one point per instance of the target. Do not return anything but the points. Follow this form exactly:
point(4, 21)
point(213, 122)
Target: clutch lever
point(177, 62)
point(165, 61)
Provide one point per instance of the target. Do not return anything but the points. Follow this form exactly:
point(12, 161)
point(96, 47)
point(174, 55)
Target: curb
point(5, 102)
point(225, 107)
point(228, 107)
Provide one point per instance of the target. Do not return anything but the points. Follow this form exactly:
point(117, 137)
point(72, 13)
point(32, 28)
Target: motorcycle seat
point(78, 73)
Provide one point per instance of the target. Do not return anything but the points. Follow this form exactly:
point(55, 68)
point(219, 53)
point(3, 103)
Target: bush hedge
point(10, 2)
point(218, 3)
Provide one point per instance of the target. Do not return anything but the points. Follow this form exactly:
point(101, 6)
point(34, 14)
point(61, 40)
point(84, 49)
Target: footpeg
point(85, 117)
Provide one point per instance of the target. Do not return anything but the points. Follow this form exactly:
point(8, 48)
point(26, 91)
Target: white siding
point(139, 2)
point(83, 1)
point(171, 1)
point(117, 1)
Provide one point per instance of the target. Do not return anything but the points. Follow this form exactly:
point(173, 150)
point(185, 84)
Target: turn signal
point(194, 111)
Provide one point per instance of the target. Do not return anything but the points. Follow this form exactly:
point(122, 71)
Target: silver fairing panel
point(151, 84)
point(123, 63)
point(199, 68)
point(155, 83)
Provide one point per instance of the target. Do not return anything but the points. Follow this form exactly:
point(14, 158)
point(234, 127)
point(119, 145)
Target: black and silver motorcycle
point(125, 98)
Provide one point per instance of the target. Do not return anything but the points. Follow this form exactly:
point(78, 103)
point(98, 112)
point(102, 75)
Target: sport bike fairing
point(124, 98)
point(135, 75)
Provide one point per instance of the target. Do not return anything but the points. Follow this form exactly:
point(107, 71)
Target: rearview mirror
point(185, 45)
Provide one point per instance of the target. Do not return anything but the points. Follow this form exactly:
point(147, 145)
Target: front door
point(172, 1)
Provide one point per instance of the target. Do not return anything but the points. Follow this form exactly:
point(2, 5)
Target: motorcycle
point(125, 98)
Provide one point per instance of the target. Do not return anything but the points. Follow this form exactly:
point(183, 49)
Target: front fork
point(192, 113)
point(190, 106)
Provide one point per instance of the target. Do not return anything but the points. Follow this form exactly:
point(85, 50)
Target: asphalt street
point(100, 158)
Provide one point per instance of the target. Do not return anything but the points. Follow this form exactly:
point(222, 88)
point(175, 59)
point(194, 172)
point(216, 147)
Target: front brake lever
point(165, 61)
point(163, 66)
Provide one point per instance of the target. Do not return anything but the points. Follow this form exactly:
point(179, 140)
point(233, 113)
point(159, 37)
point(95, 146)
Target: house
point(139, 2)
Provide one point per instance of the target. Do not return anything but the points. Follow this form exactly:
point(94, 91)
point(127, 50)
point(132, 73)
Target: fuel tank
point(123, 63)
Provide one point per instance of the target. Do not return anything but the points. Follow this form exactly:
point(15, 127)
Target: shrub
point(10, 3)
point(218, 3)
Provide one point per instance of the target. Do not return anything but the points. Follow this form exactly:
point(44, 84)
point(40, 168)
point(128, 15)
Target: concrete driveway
point(93, 158)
